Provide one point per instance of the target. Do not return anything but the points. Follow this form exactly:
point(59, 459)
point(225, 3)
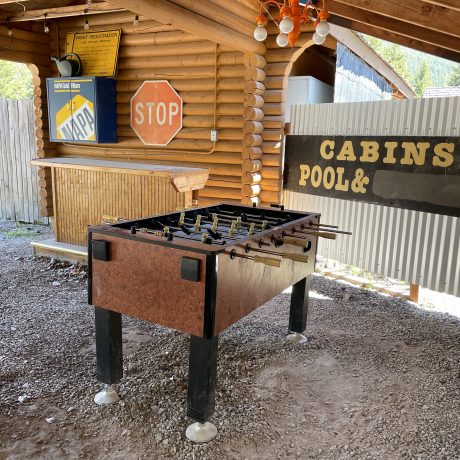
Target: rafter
point(394, 38)
point(61, 12)
point(189, 21)
point(416, 12)
point(452, 4)
point(395, 26)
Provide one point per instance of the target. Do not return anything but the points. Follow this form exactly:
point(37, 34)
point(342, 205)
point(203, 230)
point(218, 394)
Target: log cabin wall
point(209, 77)
point(240, 94)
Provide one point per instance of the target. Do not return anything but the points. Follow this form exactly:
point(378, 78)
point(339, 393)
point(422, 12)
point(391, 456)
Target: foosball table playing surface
point(197, 271)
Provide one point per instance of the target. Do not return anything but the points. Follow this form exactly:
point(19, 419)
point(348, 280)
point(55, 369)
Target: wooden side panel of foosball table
point(243, 285)
point(144, 280)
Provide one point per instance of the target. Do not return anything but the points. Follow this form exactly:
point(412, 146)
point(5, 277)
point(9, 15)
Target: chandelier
point(292, 14)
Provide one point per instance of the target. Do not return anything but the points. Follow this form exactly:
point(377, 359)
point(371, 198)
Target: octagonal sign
point(156, 112)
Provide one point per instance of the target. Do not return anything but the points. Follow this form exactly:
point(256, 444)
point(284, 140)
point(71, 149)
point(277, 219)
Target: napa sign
point(419, 173)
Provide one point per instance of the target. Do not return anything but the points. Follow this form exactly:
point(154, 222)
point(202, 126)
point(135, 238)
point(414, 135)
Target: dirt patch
point(378, 379)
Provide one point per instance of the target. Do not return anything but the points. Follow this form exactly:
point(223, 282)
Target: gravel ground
point(379, 378)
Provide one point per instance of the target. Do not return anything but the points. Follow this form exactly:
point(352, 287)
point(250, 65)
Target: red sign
point(156, 112)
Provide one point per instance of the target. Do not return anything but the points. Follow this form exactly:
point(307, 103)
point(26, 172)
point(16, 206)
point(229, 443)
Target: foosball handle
point(328, 235)
point(267, 261)
point(295, 241)
point(295, 257)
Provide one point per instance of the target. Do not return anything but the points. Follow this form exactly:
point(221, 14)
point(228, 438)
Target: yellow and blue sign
point(82, 109)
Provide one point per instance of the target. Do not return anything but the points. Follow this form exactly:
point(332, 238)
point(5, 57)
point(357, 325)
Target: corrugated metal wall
point(413, 246)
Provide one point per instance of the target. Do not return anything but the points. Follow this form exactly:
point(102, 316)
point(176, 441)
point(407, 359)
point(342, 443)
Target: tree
point(454, 77)
point(422, 79)
point(15, 81)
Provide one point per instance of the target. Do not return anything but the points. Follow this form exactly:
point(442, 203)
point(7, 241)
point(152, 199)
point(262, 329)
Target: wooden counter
point(85, 189)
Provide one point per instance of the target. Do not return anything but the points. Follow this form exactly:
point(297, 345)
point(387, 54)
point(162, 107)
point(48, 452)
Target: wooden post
point(413, 292)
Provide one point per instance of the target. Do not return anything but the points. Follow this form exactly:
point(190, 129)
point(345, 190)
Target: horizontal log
point(252, 153)
point(272, 184)
point(24, 46)
point(274, 109)
point(174, 49)
point(252, 165)
point(197, 121)
point(220, 192)
point(189, 85)
point(192, 133)
point(253, 100)
point(250, 189)
point(273, 135)
point(275, 83)
point(254, 87)
point(157, 38)
point(180, 73)
point(45, 192)
point(252, 140)
point(189, 21)
point(250, 201)
point(46, 211)
point(272, 160)
point(223, 183)
point(197, 109)
point(273, 122)
point(271, 148)
point(270, 197)
point(254, 74)
point(254, 60)
point(26, 57)
point(269, 172)
point(253, 113)
point(254, 127)
point(251, 178)
point(271, 96)
point(25, 35)
point(277, 69)
point(185, 62)
point(136, 147)
point(44, 173)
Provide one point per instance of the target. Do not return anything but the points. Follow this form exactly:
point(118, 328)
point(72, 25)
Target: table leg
point(109, 353)
point(299, 310)
point(202, 388)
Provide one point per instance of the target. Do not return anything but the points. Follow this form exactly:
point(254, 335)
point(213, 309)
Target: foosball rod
point(284, 255)
point(342, 232)
point(258, 259)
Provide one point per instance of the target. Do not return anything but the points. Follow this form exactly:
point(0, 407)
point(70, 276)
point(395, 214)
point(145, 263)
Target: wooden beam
point(452, 4)
point(450, 42)
point(394, 38)
point(189, 21)
point(61, 12)
point(419, 13)
point(355, 44)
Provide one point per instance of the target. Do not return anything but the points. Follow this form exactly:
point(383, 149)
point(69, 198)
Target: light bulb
point(10, 32)
point(46, 29)
point(86, 26)
point(136, 20)
point(323, 28)
point(89, 3)
point(318, 39)
point(282, 40)
point(286, 25)
point(260, 33)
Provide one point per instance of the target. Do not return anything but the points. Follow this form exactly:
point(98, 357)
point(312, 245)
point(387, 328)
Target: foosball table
point(197, 271)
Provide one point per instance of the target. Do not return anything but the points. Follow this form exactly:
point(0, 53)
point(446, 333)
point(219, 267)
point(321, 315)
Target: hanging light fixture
point(136, 20)
point(46, 29)
point(86, 23)
point(291, 15)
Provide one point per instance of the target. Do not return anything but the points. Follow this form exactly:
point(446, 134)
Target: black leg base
point(202, 378)
point(109, 353)
point(299, 306)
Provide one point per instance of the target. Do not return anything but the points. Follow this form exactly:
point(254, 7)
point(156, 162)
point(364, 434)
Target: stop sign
point(156, 112)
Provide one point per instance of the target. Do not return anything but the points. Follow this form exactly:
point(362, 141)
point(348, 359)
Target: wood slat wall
point(82, 197)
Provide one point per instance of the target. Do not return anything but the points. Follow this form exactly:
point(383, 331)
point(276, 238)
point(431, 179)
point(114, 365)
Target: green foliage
point(418, 69)
point(454, 77)
point(422, 79)
point(15, 81)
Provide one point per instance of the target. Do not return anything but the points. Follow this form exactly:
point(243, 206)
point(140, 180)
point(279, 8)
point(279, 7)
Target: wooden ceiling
point(431, 26)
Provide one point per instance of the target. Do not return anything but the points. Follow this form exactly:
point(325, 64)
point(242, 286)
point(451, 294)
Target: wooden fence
point(19, 194)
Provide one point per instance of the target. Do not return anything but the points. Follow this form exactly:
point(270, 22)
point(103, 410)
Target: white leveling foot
point(107, 396)
point(201, 432)
point(295, 337)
